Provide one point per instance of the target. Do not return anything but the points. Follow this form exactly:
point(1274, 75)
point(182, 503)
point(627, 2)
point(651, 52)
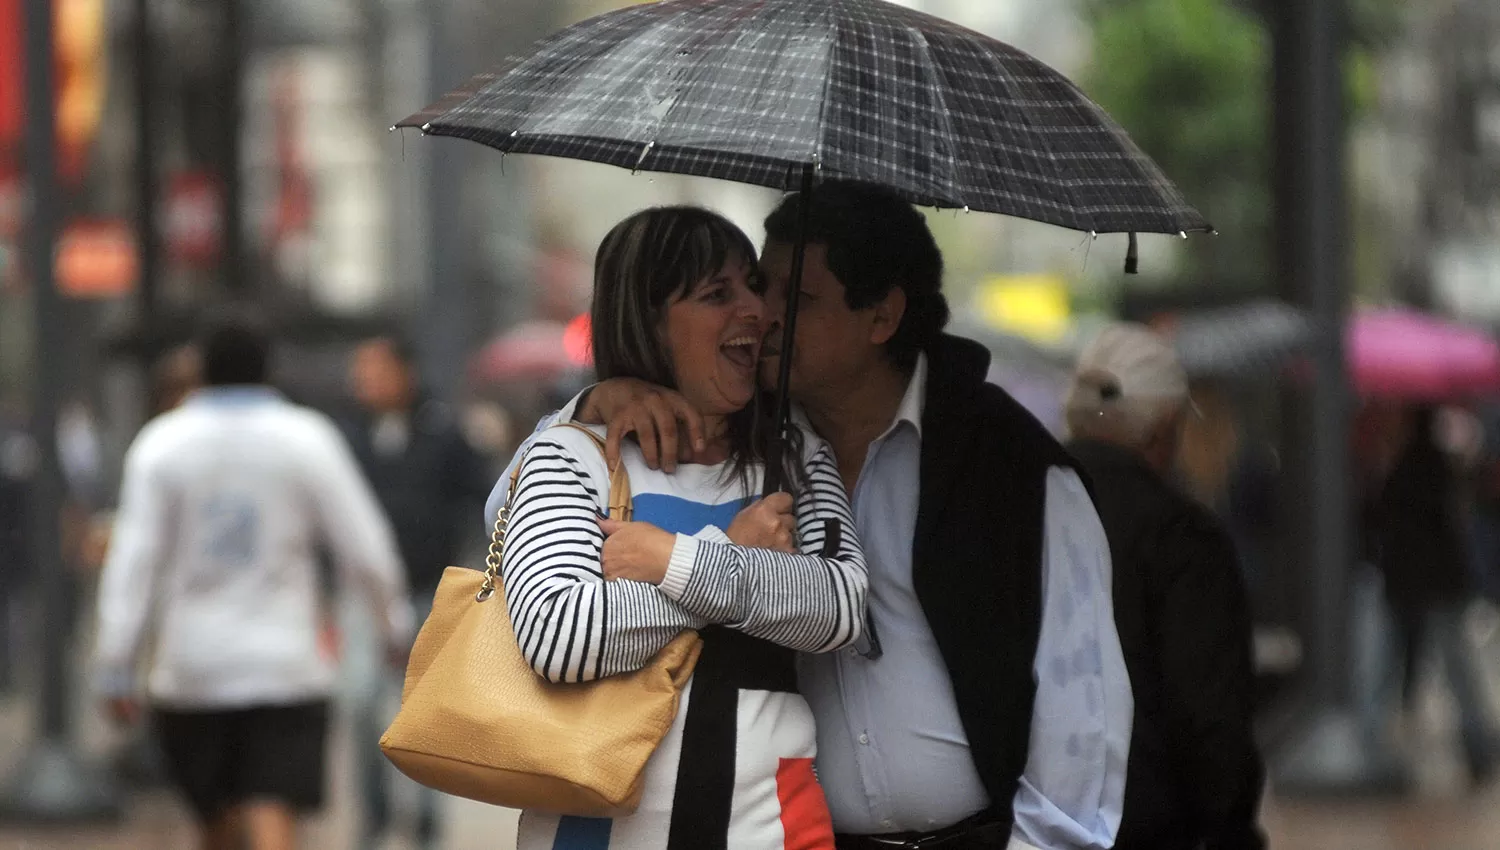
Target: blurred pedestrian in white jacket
point(225, 503)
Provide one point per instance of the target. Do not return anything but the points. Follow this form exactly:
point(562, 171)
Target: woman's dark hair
point(645, 261)
point(876, 242)
point(235, 350)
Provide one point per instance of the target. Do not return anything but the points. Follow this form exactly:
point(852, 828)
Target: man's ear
point(887, 315)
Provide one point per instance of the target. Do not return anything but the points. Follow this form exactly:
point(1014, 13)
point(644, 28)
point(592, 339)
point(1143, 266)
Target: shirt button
point(864, 738)
point(852, 652)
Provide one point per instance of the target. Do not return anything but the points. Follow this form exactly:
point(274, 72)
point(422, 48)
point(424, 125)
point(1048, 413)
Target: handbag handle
point(620, 507)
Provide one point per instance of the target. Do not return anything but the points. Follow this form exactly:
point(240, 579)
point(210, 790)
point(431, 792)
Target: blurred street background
point(210, 150)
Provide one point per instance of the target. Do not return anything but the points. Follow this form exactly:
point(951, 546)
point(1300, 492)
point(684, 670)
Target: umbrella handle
point(775, 465)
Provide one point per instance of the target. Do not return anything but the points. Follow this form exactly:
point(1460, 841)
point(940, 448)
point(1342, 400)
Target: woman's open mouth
point(742, 351)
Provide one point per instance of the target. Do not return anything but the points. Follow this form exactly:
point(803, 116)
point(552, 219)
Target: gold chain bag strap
point(477, 721)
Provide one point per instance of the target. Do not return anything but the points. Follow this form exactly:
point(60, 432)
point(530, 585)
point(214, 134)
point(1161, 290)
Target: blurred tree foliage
point(1190, 81)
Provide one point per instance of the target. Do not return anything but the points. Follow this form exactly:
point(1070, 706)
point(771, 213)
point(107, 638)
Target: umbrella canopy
point(533, 351)
point(1407, 355)
point(1254, 338)
point(768, 92)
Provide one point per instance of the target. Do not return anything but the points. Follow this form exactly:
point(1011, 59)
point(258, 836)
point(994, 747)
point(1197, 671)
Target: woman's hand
point(767, 524)
point(638, 551)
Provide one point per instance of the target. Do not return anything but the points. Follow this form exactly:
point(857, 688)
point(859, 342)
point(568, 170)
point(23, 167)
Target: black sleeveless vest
point(977, 554)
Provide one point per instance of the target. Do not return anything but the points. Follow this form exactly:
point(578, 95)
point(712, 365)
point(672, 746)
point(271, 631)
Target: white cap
point(1128, 377)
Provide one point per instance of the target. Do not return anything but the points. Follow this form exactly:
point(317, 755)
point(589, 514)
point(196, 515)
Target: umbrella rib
point(940, 108)
point(822, 128)
point(696, 79)
point(662, 121)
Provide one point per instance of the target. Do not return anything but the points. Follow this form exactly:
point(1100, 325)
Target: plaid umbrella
point(783, 93)
point(771, 92)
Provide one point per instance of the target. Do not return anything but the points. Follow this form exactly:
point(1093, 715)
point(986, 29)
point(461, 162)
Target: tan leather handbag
point(478, 722)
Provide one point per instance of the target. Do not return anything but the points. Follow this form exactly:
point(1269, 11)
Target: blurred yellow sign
point(1034, 306)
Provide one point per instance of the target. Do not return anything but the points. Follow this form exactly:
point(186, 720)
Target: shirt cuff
point(714, 534)
point(680, 567)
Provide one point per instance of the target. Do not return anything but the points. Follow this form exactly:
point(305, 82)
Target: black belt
point(984, 830)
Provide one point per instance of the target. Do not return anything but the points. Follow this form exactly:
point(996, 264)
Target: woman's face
point(713, 332)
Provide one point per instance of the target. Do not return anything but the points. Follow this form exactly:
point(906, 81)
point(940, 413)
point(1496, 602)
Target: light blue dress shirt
point(892, 752)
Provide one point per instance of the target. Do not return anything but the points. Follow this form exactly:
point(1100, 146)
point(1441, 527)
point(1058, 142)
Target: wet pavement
point(1444, 813)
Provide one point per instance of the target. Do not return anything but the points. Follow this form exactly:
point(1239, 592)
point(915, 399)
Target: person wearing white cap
point(1194, 776)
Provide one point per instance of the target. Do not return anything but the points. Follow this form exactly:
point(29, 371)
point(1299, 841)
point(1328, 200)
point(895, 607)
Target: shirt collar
point(913, 401)
point(909, 411)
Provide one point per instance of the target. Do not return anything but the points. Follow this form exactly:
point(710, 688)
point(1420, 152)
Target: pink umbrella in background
point(535, 351)
point(1407, 355)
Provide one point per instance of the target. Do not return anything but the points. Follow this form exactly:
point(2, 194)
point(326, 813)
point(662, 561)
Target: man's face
point(833, 342)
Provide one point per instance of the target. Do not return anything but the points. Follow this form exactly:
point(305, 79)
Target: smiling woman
point(677, 302)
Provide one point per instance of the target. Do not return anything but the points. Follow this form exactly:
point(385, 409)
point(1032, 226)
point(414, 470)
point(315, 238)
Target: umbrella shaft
point(776, 466)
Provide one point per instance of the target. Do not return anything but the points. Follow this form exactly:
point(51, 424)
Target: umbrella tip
point(426, 127)
point(644, 151)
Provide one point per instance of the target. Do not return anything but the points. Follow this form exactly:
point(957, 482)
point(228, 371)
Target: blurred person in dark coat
point(1194, 777)
point(1424, 559)
point(430, 482)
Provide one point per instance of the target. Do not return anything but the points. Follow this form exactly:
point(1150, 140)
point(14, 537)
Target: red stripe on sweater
point(804, 812)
